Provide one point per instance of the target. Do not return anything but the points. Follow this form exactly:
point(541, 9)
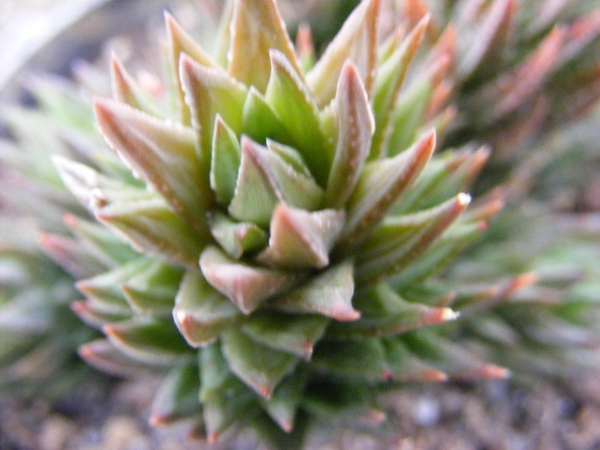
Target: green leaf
point(150, 226)
point(259, 366)
point(149, 145)
point(289, 155)
point(177, 396)
point(236, 238)
point(285, 400)
point(380, 185)
point(225, 162)
point(399, 254)
point(355, 127)
point(103, 355)
point(329, 294)
point(357, 41)
point(152, 290)
point(95, 315)
point(256, 29)
point(388, 84)
point(260, 121)
point(300, 239)
point(295, 334)
point(127, 90)
point(208, 92)
point(246, 286)
point(264, 181)
point(362, 358)
point(405, 366)
point(385, 313)
point(180, 43)
point(200, 312)
point(291, 99)
point(149, 341)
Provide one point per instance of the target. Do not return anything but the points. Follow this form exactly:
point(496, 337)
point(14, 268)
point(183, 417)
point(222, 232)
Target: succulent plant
point(270, 222)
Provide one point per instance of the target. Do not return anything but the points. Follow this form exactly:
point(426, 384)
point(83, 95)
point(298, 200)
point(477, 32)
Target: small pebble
point(426, 412)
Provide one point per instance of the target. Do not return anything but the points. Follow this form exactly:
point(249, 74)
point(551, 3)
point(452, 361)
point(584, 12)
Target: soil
point(492, 415)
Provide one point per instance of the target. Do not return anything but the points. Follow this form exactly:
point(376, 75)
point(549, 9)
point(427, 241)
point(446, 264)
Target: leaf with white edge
point(285, 400)
point(290, 155)
point(152, 290)
point(291, 99)
point(104, 289)
point(177, 396)
point(407, 117)
point(246, 286)
point(127, 90)
point(201, 313)
point(259, 366)
point(150, 226)
point(103, 355)
point(149, 145)
point(265, 180)
point(225, 162)
point(355, 125)
point(256, 192)
point(385, 313)
point(381, 184)
point(260, 121)
point(179, 43)
point(329, 293)
point(69, 254)
point(300, 239)
point(357, 41)
point(360, 358)
point(295, 334)
point(96, 317)
point(236, 238)
point(396, 258)
point(208, 92)
point(256, 29)
point(149, 341)
point(388, 84)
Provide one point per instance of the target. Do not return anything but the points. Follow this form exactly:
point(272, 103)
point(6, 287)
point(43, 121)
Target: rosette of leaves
point(284, 214)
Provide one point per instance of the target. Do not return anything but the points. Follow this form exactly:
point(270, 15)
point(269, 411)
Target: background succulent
point(271, 224)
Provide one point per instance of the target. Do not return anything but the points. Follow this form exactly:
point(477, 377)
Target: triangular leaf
point(225, 162)
point(177, 396)
point(200, 312)
point(246, 286)
point(236, 238)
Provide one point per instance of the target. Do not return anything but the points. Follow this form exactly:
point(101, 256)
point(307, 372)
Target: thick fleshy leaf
point(295, 334)
point(398, 255)
point(152, 290)
point(381, 184)
point(208, 92)
point(150, 226)
point(236, 238)
point(70, 255)
point(177, 396)
point(96, 315)
point(285, 400)
point(265, 180)
point(127, 90)
point(364, 358)
point(385, 313)
point(388, 84)
point(260, 121)
point(179, 42)
point(246, 286)
point(355, 125)
point(291, 99)
point(404, 366)
point(151, 342)
point(149, 145)
point(290, 155)
point(103, 355)
point(329, 294)
point(259, 366)
point(108, 248)
point(200, 312)
point(104, 290)
point(357, 41)
point(225, 162)
point(256, 29)
point(454, 360)
point(300, 239)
